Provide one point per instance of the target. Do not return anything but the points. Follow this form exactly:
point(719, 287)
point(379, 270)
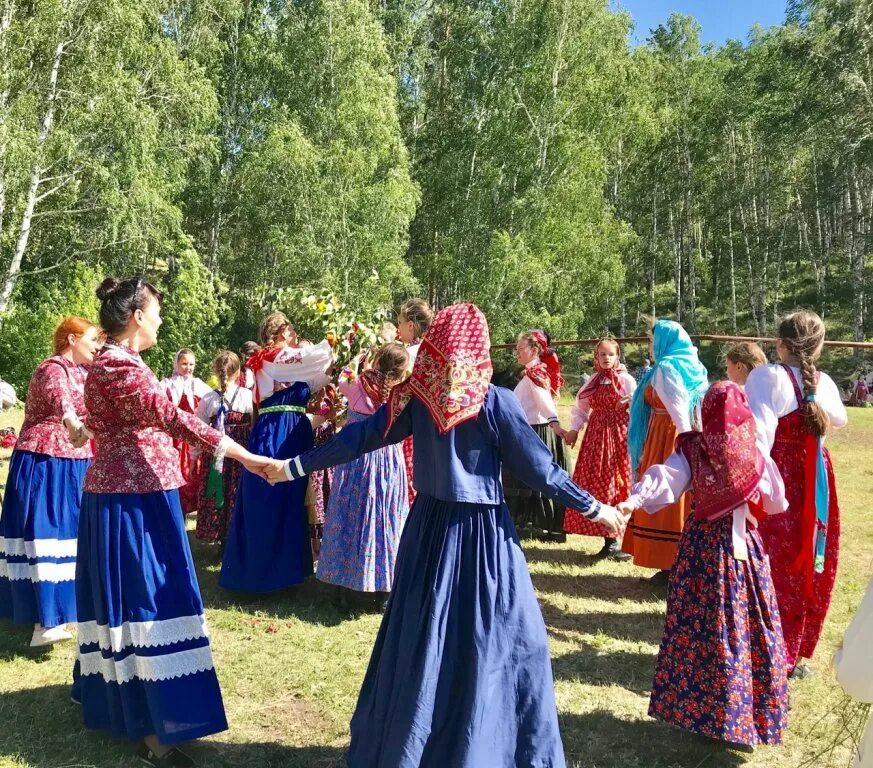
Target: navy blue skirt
point(268, 544)
point(144, 665)
point(38, 531)
point(460, 674)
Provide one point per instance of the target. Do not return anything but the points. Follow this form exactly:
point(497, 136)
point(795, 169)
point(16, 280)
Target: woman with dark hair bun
point(144, 669)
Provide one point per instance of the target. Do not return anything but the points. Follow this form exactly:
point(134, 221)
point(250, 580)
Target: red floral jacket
point(134, 425)
point(56, 391)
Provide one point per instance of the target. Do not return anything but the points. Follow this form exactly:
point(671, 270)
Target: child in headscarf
point(603, 466)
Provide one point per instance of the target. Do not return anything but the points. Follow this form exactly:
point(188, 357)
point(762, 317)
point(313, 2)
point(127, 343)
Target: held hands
point(571, 436)
point(611, 519)
point(626, 509)
point(77, 433)
point(275, 472)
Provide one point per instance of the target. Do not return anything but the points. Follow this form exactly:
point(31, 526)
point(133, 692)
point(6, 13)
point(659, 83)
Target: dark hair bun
point(108, 288)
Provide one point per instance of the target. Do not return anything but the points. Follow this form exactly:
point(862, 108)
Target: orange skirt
point(653, 539)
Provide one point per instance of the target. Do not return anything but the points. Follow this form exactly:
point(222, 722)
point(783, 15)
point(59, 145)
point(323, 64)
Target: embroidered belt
point(283, 409)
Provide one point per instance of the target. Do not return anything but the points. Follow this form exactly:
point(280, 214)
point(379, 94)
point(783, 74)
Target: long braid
point(803, 333)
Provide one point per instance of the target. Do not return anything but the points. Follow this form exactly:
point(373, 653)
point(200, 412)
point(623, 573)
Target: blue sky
point(719, 19)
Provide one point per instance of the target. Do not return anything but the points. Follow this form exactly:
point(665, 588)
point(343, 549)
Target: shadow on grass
point(632, 670)
point(604, 586)
point(536, 552)
point(599, 738)
point(26, 737)
point(312, 601)
point(636, 626)
point(15, 643)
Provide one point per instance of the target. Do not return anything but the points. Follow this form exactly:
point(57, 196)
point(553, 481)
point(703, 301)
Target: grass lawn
point(291, 666)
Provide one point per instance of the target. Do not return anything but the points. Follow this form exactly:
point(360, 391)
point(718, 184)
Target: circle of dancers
point(415, 507)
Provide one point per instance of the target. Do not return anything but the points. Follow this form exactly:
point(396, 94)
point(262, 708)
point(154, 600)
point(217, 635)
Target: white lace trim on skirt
point(149, 668)
point(142, 634)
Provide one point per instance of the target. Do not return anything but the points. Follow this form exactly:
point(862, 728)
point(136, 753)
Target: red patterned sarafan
point(56, 390)
point(726, 464)
point(452, 370)
point(134, 425)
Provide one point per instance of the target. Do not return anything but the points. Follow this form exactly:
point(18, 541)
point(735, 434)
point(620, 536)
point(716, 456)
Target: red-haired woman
point(533, 513)
point(40, 517)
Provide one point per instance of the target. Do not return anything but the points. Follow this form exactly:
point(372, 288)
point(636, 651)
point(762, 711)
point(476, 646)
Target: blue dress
point(364, 519)
point(38, 530)
point(144, 664)
point(268, 540)
point(460, 674)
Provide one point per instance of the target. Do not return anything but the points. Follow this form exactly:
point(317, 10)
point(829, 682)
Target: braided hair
point(803, 333)
point(224, 366)
point(389, 365)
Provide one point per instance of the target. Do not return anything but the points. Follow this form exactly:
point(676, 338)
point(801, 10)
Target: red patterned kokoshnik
point(452, 370)
point(726, 464)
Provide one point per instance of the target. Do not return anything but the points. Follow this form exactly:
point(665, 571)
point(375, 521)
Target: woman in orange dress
point(663, 406)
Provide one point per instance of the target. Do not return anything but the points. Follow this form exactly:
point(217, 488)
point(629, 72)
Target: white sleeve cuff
point(221, 449)
point(73, 418)
point(294, 469)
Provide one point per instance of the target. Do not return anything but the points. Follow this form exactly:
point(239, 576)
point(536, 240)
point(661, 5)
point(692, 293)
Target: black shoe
point(174, 758)
point(660, 578)
point(609, 546)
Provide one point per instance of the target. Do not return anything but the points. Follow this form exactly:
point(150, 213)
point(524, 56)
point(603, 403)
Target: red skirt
point(602, 468)
point(802, 618)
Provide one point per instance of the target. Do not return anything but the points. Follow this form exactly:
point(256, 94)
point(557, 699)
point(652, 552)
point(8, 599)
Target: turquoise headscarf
point(673, 350)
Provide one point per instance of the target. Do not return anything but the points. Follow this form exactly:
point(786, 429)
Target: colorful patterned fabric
point(726, 464)
point(134, 425)
point(364, 519)
point(603, 465)
point(452, 369)
point(802, 616)
point(550, 363)
point(213, 518)
point(673, 351)
point(721, 669)
point(57, 389)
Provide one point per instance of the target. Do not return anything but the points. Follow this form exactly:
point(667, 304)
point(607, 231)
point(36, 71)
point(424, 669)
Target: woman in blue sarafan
point(268, 545)
point(460, 674)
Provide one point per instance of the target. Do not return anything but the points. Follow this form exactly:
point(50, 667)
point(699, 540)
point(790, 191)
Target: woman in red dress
point(603, 465)
point(795, 405)
point(185, 391)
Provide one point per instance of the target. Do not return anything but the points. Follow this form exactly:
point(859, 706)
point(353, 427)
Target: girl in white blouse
point(794, 406)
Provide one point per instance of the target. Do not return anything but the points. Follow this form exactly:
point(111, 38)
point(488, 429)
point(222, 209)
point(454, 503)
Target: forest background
point(520, 154)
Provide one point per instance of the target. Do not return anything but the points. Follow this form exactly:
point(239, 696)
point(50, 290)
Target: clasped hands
point(271, 470)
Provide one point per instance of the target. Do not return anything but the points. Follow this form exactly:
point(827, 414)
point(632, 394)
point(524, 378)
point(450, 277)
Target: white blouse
point(240, 397)
point(580, 411)
point(674, 395)
point(308, 365)
point(537, 402)
point(180, 388)
point(771, 396)
point(853, 665)
point(664, 484)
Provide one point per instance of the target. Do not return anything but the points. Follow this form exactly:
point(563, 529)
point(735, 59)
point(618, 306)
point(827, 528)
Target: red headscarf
point(256, 363)
point(603, 375)
point(547, 374)
point(726, 464)
point(452, 370)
